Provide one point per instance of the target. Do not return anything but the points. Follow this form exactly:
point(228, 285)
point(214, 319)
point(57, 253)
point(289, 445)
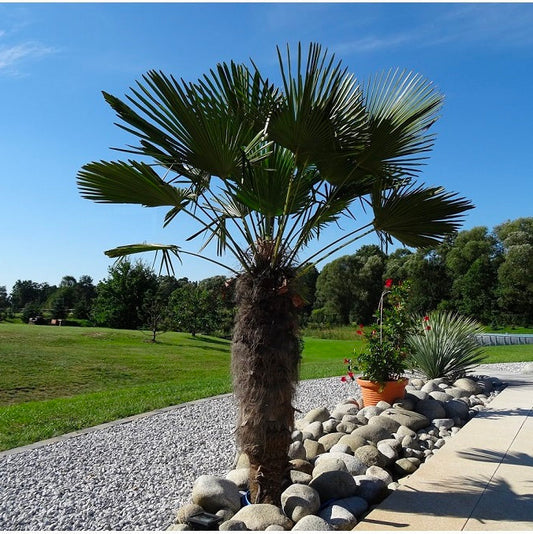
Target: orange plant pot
point(373, 392)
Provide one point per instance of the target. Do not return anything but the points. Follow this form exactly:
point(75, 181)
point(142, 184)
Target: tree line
point(487, 275)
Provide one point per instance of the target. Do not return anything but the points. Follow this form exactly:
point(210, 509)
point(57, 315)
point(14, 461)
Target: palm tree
point(262, 170)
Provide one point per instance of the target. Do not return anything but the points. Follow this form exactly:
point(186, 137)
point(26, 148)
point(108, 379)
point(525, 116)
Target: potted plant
point(382, 361)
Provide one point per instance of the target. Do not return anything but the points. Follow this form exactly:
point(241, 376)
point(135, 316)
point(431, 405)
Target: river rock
point(330, 439)
point(328, 463)
point(371, 489)
point(373, 433)
point(239, 477)
point(334, 485)
point(302, 465)
point(213, 493)
point(431, 385)
point(456, 409)
point(298, 477)
point(318, 414)
point(338, 517)
point(312, 449)
point(354, 442)
point(469, 385)
point(440, 396)
point(445, 423)
point(370, 455)
point(431, 408)
point(260, 516)
point(231, 524)
point(297, 451)
point(412, 420)
point(457, 393)
point(330, 425)
point(312, 523)
point(354, 465)
point(405, 466)
point(299, 500)
point(385, 422)
point(340, 447)
point(314, 429)
point(186, 511)
point(378, 472)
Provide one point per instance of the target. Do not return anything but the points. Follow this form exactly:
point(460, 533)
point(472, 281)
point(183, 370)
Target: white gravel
point(133, 476)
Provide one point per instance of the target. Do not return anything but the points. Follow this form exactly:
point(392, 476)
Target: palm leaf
point(417, 217)
point(128, 183)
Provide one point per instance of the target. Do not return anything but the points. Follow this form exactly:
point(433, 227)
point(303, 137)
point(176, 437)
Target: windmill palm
point(262, 170)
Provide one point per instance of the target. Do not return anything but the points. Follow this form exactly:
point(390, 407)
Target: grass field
point(55, 380)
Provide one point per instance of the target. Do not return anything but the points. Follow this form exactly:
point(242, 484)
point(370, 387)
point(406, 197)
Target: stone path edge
point(104, 426)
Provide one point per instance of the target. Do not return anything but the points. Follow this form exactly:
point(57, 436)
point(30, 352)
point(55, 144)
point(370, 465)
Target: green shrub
point(447, 346)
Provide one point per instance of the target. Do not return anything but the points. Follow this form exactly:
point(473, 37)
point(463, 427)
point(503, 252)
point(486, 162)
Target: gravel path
point(133, 476)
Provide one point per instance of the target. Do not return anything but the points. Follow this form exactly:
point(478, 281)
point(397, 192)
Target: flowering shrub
point(384, 356)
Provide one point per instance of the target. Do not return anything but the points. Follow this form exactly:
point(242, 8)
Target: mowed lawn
point(55, 380)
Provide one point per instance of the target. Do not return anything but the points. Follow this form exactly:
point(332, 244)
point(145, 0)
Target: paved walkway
point(482, 479)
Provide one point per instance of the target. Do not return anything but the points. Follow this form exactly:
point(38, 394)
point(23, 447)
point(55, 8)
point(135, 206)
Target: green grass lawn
point(55, 380)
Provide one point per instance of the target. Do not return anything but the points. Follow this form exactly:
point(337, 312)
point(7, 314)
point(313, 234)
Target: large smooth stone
point(312, 523)
point(299, 500)
point(412, 420)
point(261, 516)
point(213, 493)
point(334, 485)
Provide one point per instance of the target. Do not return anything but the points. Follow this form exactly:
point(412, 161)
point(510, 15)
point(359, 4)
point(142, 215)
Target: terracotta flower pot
point(374, 392)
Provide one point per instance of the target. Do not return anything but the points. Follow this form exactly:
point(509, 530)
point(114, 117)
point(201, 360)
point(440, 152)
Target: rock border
point(345, 461)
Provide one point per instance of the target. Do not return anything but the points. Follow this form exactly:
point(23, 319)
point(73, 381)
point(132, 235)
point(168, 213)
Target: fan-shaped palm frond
point(417, 216)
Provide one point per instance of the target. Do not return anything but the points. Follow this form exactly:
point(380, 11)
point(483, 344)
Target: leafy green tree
point(121, 295)
point(262, 170)
point(348, 288)
point(24, 292)
point(472, 262)
point(4, 303)
point(515, 274)
point(221, 292)
point(85, 295)
point(193, 310)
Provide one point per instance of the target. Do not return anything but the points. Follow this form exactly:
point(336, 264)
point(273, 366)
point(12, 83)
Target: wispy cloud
point(497, 26)
point(11, 57)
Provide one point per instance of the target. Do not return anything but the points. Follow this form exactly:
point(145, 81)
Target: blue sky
point(55, 59)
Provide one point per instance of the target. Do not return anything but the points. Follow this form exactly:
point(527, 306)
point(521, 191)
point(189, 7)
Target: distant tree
point(4, 303)
point(31, 310)
point(121, 295)
point(85, 295)
point(155, 314)
point(221, 292)
point(515, 274)
point(472, 262)
point(430, 282)
point(193, 309)
point(24, 292)
point(348, 288)
point(395, 265)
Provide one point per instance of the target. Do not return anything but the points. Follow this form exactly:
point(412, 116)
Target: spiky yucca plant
point(447, 346)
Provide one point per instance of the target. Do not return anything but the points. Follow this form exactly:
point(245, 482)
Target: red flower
point(361, 326)
point(428, 327)
point(343, 379)
point(359, 332)
point(426, 318)
point(350, 374)
point(388, 283)
point(346, 360)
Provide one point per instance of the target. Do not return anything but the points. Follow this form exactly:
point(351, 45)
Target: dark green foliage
point(32, 310)
point(193, 310)
point(120, 297)
point(348, 289)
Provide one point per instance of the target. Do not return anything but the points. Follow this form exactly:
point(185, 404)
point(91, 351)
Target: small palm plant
point(261, 171)
point(447, 346)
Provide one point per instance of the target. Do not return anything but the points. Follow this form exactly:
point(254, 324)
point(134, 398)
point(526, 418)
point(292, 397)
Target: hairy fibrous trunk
point(265, 358)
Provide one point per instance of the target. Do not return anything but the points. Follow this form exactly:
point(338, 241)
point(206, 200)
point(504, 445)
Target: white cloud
point(12, 56)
